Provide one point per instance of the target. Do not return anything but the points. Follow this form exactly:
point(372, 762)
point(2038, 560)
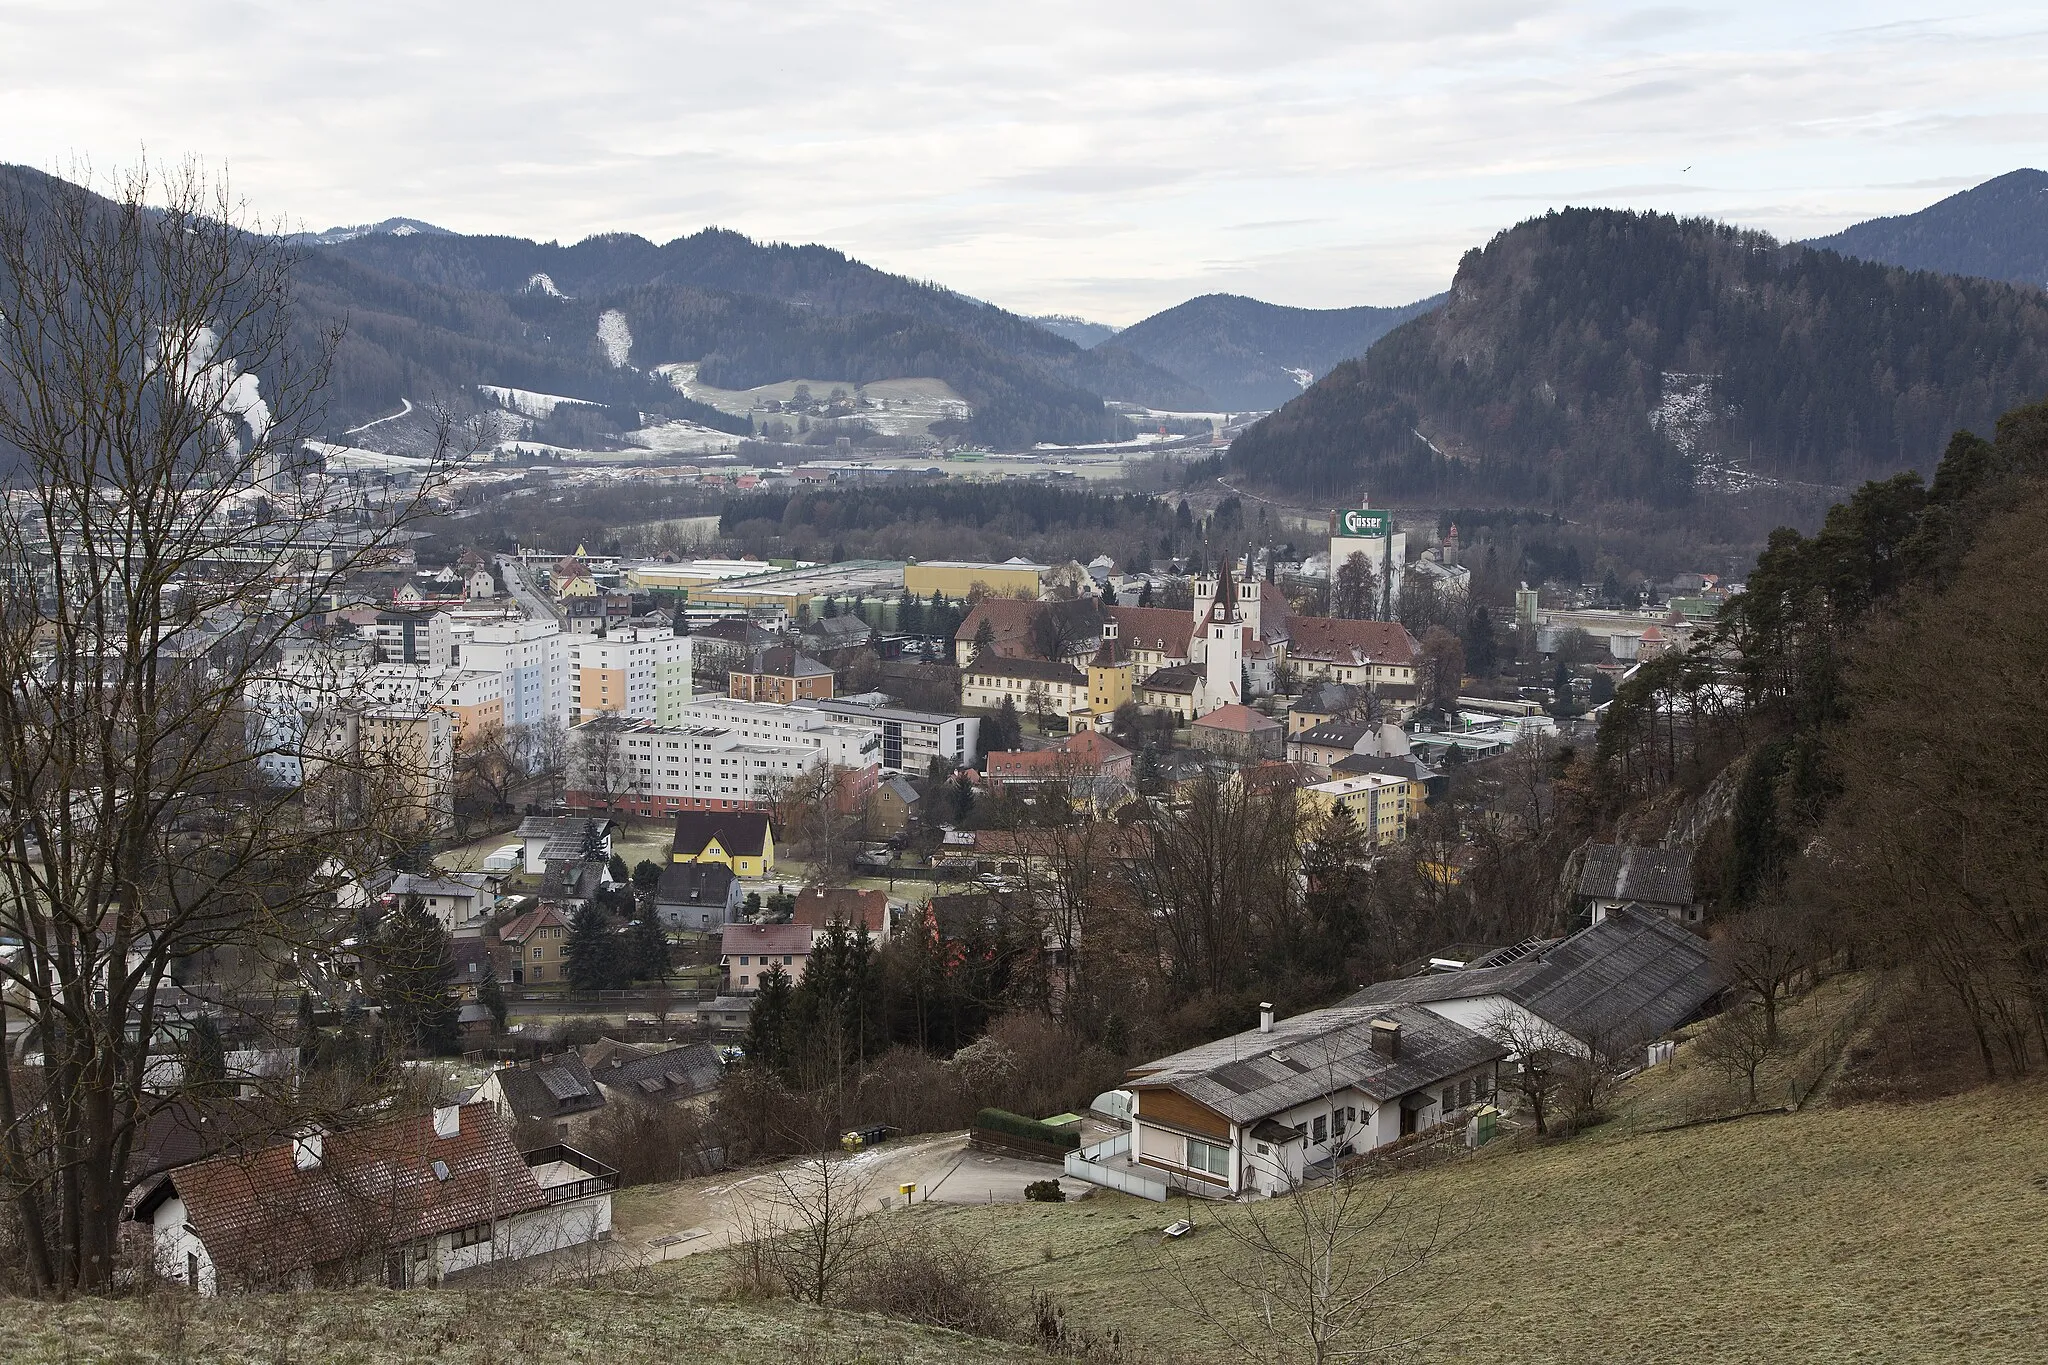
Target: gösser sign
point(1361, 522)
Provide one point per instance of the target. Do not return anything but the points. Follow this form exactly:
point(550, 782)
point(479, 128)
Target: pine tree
point(1108, 594)
point(1145, 594)
point(591, 953)
point(491, 996)
point(205, 1059)
point(593, 842)
point(616, 868)
point(768, 1026)
point(415, 971)
point(646, 949)
point(984, 637)
point(646, 875)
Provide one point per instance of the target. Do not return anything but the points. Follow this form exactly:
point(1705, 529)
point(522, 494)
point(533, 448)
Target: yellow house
point(744, 840)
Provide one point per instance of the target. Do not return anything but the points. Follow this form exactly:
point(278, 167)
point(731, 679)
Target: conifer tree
point(491, 996)
point(592, 953)
point(415, 971)
point(768, 1026)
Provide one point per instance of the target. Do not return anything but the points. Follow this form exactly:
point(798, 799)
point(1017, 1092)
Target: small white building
point(1252, 1113)
point(410, 1201)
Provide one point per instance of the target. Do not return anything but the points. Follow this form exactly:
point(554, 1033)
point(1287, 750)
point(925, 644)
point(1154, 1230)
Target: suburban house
point(893, 807)
point(1320, 703)
point(461, 901)
point(818, 907)
point(696, 895)
point(1657, 879)
point(781, 675)
point(726, 1014)
point(1237, 731)
point(1255, 1111)
point(1009, 620)
point(559, 838)
point(532, 947)
point(1610, 987)
point(743, 840)
point(748, 950)
point(412, 1200)
point(556, 1092)
point(658, 1075)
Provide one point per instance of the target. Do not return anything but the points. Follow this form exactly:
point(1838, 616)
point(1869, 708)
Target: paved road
point(704, 1215)
point(530, 600)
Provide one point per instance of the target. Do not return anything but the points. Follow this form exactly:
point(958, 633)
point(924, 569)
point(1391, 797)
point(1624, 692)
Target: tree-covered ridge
point(1597, 354)
point(817, 280)
point(1998, 231)
point(1242, 352)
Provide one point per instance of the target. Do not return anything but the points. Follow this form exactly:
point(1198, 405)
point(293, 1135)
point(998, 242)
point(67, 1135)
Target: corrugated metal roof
point(1624, 872)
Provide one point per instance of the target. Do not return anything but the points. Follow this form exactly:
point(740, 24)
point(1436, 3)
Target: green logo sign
point(1361, 522)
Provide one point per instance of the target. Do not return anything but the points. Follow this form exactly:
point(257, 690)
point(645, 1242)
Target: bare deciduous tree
point(1738, 1043)
point(804, 1229)
point(162, 535)
point(1302, 1275)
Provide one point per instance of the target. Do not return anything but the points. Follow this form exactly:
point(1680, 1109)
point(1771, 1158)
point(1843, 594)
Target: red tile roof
point(817, 906)
point(1160, 629)
point(1009, 618)
point(519, 930)
point(262, 1218)
point(765, 938)
point(1238, 719)
point(1329, 639)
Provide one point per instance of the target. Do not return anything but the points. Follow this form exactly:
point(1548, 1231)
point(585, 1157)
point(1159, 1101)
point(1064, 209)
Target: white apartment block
point(533, 658)
point(843, 744)
point(657, 769)
point(910, 739)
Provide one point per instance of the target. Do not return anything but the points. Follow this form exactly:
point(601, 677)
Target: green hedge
point(1029, 1130)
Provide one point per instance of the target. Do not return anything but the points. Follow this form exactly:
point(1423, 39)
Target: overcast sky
point(1106, 159)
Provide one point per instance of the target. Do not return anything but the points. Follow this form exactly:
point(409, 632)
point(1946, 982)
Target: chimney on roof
point(1386, 1038)
point(1265, 1016)
point(306, 1150)
point(447, 1120)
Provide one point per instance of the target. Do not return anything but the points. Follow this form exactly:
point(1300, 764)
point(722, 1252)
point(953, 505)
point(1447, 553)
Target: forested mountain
point(394, 227)
point(821, 281)
point(430, 315)
point(1998, 231)
point(1250, 355)
point(1596, 355)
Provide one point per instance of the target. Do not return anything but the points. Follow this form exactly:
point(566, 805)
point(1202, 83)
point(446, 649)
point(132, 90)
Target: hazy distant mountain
point(390, 227)
point(1998, 231)
point(1249, 355)
point(1595, 355)
point(1080, 331)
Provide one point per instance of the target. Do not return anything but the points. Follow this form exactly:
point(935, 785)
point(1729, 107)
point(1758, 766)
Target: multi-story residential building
point(910, 739)
point(1378, 655)
point(1381, 805)
point(639, 674)
point(534, 658)
point(644, 768)
point(417, 636)
point(844, 743)
point(412, 751)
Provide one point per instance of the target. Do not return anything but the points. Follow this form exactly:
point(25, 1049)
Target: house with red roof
point(408, 1201)
point(1237, 731)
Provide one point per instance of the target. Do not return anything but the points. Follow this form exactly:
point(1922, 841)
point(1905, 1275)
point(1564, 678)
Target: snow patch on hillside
point(1686, 408)
point(1301, 377)
point(540, 282)
point(614, 336)
point(527, 403)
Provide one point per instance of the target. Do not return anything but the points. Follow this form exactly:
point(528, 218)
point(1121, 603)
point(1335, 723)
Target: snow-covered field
point(679, 437)
point(896, 407)
point(527, 403)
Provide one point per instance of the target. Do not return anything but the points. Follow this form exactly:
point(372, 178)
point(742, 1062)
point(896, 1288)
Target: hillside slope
point(1250, 355)
point(1594, 355)
point(817, 279)
point(1998, 231)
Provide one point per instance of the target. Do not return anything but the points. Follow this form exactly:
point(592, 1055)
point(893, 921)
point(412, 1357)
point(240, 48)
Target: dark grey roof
point(677, 1074)
point(694, 884)
point(1252, 1075)
point(1623, 872)
point(1335, 734)
point(551, 1089)
point(1356, 765)
point(1632, 977)
point(1325, 698)
point(1175, 678)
